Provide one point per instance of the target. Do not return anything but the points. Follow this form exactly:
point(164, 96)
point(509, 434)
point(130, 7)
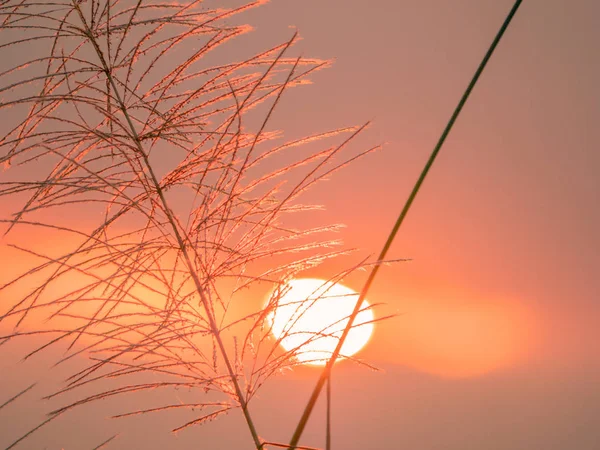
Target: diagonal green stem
point(328, 421)
point(327, 370)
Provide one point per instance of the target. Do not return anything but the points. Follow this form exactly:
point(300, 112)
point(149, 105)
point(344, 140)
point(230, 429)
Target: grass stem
point(327, 370)
point(180, 241)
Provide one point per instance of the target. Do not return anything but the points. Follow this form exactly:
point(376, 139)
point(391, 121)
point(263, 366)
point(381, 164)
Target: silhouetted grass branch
point(105, 442)
point(13, 398)
point(178, 235)
point(158, 173)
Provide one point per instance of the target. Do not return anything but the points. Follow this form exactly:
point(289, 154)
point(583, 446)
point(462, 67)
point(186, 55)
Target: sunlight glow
point(311, 315)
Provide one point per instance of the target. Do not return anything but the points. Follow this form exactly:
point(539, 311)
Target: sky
point(494, 343)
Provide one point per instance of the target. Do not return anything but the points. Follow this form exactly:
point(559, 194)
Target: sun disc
point(311, 315)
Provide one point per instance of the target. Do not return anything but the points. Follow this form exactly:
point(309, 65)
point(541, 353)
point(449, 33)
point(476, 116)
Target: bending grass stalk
point(328, 426)
point(329, 366)
point(179, 238)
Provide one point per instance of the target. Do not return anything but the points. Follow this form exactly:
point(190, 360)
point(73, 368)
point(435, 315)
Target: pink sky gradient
point(495, 346)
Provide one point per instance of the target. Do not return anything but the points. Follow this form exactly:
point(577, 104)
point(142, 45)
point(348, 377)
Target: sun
point(311, 315)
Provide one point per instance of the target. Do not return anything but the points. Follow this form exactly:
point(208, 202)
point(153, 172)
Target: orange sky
point(495, 342)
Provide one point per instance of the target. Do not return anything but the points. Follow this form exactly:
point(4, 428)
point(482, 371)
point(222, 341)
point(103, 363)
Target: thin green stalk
point(328, 426)
point(327, 370)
